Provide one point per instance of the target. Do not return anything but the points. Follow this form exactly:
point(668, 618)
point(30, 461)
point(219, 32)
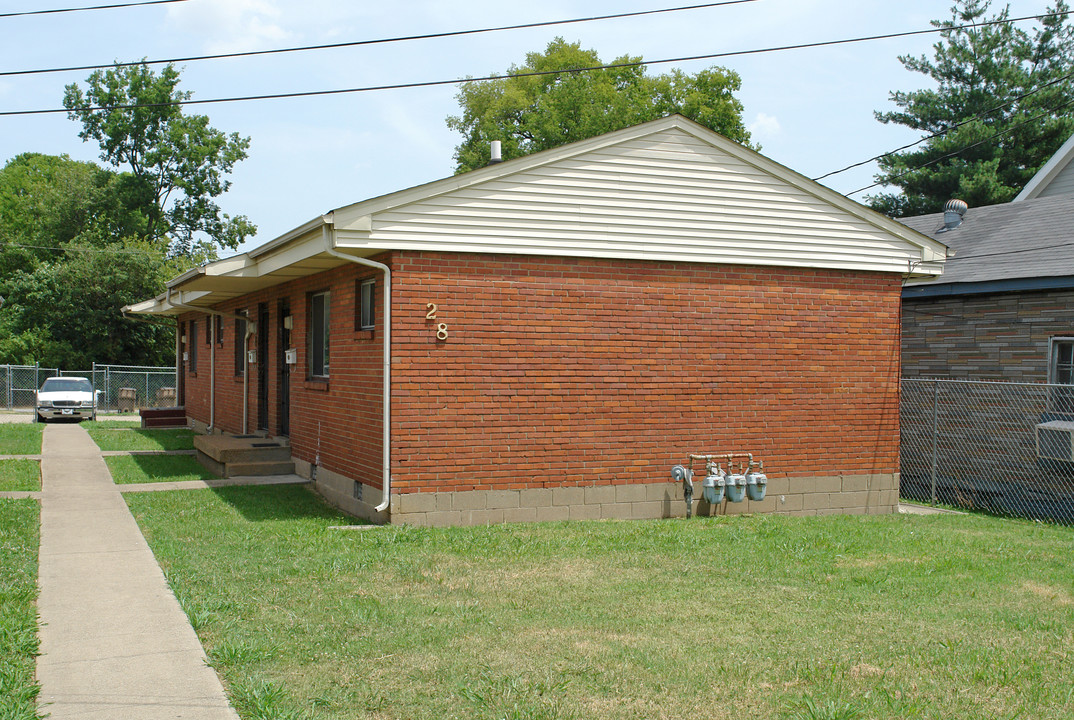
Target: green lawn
point(20, 475)
point(18, 617)
point(118, 435)
point(20, 438)
point(746, 617)
point(128, 469)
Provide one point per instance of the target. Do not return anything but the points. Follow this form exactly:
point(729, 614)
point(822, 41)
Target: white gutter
point(250, 329)
point(330, 248)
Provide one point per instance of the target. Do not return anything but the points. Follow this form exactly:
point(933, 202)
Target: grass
point(128, 469)
point(20, 475)
point(745, 617)
point(20, 438)
point(119, 435)
point(18, 617)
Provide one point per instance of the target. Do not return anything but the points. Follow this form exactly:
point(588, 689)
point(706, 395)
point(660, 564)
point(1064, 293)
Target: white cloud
point(230, 25)
point(764, 127)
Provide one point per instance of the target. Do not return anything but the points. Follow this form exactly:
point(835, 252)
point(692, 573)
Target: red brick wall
point(335, 424)
point(564, 372)
point(561, 372)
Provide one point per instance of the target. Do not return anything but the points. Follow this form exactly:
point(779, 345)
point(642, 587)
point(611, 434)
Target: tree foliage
point(65, 312)
point(69, 259)
point(1019, 84)
point(537, 112)
point(176, 165)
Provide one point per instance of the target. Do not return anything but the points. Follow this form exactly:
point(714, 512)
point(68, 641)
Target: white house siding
point(669, 195)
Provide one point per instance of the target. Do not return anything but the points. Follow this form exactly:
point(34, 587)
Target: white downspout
point(212, 375)
point(212, 358)
point(329, 242)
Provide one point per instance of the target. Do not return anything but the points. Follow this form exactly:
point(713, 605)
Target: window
point(192, 352)
point(366, 304)
point(1061, 372)
point(219, 329)
point(240, 343)
point(318, 335)
point(209, 329)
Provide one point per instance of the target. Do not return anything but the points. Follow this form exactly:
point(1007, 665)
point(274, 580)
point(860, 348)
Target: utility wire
point(460, 81)
point(378, 41)
point(887, 180)
point(93, 7)
point(948, 129)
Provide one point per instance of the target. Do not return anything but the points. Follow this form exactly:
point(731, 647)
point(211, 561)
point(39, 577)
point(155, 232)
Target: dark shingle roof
point(1017, 240)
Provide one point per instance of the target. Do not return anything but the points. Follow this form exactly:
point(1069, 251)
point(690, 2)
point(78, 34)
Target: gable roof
point(669, 189)
point(1011, 246)
point(1055, 178)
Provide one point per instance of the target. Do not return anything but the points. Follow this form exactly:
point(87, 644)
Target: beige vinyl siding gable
point(1061, 184)
point(668, 195)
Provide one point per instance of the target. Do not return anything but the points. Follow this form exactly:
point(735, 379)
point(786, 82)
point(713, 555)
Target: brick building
point(559, 330)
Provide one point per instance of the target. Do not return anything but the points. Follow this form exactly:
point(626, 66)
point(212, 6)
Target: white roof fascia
point(1055, 165)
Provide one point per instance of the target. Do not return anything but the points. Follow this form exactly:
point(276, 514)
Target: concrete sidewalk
point(114, 642)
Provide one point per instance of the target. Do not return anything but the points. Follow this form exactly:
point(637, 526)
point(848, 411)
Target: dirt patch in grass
point(1057, 595)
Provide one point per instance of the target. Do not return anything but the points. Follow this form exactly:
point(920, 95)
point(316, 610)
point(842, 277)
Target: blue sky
point(811, 109)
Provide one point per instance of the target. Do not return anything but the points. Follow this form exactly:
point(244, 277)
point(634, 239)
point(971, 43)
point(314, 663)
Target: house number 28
point(441, 328)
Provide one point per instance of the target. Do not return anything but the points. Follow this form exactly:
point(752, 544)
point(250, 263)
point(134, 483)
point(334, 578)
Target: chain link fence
point(120, 388)
point(998, 447)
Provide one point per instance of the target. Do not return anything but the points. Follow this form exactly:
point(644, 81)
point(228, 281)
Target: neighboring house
point(564, 329)
point(1004, 308)
point(1002, 311)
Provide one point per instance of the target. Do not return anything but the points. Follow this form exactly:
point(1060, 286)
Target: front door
point(283, 370)
point(262, 366)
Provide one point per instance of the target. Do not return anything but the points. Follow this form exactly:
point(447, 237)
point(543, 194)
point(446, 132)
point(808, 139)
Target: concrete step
point(228, 449)
point(260, 468)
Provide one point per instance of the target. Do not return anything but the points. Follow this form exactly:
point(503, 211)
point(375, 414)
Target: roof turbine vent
point(497, 157)
point(953, 212)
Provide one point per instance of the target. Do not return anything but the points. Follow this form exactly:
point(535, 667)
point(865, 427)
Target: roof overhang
point(299, 254)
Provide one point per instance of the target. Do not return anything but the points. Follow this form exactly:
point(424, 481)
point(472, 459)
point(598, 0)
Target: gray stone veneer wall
point(1000, 336)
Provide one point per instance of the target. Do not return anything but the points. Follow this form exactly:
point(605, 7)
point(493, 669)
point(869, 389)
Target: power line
point(459, 81)
point(93, 7)
point(379, 41)
point(948, 129)
point(887, 181)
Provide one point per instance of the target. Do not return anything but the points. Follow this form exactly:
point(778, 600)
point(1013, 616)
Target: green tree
point(982, 71)
point(70, 257)
point(47, 201)
point(532, 113)
point(65, 312)
point(176, 164)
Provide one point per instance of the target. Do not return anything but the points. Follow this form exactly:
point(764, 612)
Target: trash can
point(166, 397)
point(128, 398)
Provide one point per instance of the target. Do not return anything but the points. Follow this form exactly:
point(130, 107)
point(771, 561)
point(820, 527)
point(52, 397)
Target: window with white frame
point(318, 334)
point(1061, 372)
point(366, 304)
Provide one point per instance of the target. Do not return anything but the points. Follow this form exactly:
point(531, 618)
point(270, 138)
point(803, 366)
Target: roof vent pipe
point(496, 156)
point(953, 212)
